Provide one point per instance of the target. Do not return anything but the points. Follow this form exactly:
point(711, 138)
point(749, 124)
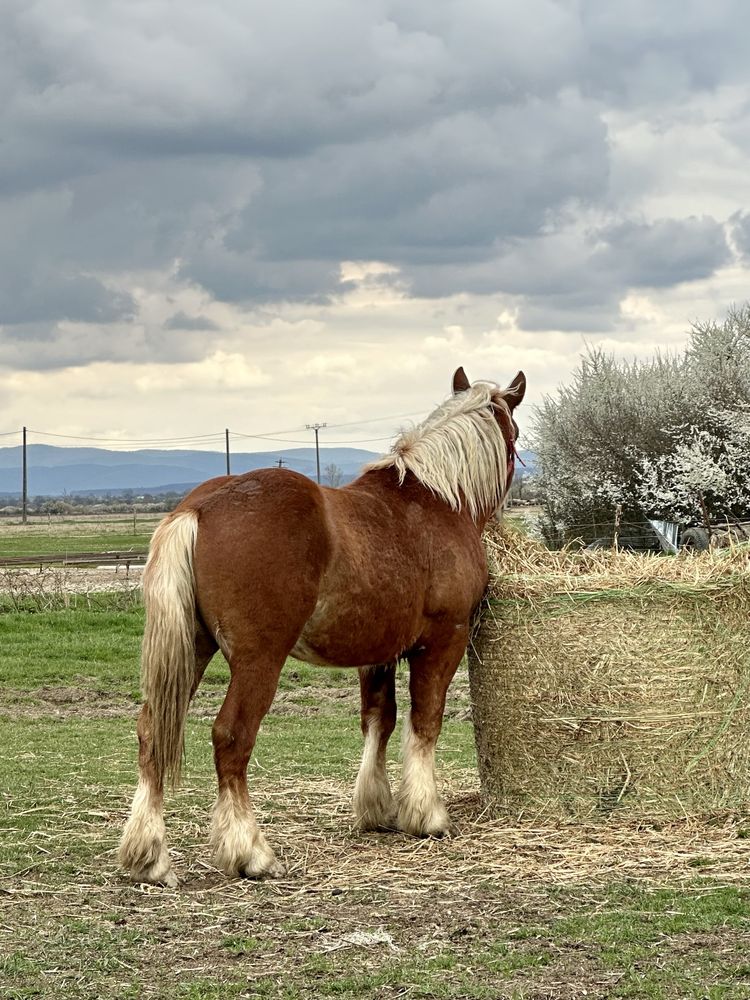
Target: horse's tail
point(168, 652)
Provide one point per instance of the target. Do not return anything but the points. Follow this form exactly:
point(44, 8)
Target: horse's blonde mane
point(458, 452)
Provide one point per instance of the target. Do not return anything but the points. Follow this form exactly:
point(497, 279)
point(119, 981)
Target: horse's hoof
point(256, 871)
point(377, 826)
point(167, 880)
point(376, 821)
point(442, 833)
point(429, 822)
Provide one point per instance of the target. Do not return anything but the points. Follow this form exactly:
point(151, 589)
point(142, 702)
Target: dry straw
point(608, 682)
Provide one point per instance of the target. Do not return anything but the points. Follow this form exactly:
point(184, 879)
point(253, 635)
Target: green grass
point(62, 543)
point(73, 927)
point(93, 649)
point(630, 935)
point(99, 651)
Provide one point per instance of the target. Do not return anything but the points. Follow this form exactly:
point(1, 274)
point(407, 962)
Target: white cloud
point(217, 371)
point(333, 364)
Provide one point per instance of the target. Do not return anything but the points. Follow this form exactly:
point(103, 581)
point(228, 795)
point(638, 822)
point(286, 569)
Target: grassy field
point(63, 535)
point(504, 909)
point(21, 545)
point(15, 544)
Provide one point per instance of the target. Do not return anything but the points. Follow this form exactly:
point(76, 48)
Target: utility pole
point(226, 434)
point(316, 428)
point(25, 482)
point(280, 463)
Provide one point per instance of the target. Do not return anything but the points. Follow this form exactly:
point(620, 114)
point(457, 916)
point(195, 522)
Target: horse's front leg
point(421, 811)
point(373, 802)
point(239, 846)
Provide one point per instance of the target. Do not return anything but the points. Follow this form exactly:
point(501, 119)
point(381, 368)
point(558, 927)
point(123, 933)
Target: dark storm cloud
point(572, 281)
point(642, 53)
point(42, 294)
point(662, 253)
point(445, 195)
point(44, 347)
point(180, 321)
point(449, 190)
point(250, 148)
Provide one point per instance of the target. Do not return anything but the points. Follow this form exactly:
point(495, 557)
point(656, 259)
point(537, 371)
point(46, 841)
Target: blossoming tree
point(663, 438)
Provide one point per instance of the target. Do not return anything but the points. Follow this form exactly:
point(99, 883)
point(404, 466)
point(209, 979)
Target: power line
point(272, 435)
point(218, 436)
point(377, 420)
point(268, 434)
point(198, 439)
point(264, 437)
point(83, 437)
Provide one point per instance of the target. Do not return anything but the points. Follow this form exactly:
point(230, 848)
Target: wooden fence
point(131, 557)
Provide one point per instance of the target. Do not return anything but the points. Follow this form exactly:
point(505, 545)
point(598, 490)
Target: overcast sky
point(231, 213)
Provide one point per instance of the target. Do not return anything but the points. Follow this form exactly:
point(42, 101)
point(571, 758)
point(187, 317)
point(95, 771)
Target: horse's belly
point(341, 636)
point(309, 654)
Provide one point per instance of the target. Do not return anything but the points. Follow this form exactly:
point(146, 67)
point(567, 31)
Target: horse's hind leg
point(239, 846)
point(373, 802)
point(143, 848)
point(421, 811)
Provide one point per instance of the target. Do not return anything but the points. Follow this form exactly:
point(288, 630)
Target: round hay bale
point(607, 681)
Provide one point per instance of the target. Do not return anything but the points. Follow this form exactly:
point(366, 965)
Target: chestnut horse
point(268, 564)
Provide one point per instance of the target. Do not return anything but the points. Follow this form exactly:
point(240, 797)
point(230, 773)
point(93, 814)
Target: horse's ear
point(515, 392)
point(460, 381)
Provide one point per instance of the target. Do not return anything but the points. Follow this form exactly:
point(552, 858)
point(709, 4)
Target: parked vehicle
point(670, 536)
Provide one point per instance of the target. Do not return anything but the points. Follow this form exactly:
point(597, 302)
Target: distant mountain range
point(56, 471)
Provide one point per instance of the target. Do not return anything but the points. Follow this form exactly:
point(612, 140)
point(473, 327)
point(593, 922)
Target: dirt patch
point(85, 702)
point(63, 702)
